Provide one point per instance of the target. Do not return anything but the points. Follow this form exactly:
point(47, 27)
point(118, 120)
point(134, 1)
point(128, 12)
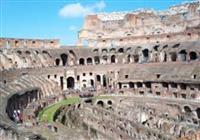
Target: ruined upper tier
point(141, 26)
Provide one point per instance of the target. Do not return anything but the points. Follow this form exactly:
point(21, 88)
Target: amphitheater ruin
point(136, 76)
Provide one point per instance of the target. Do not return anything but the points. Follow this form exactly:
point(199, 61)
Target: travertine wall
point(28, 43)
point(140, 27)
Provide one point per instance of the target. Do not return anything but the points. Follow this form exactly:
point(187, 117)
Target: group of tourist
point(18, 116)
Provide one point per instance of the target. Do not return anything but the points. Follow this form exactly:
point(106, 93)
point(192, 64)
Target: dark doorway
point(193, 56)
point(64, 59)
point(89, 61)
point(92, 82)
point(57, 62)
point(104, 81)
point(113, 59)
point(61, 82)
point(81, 61)
point(70, 82)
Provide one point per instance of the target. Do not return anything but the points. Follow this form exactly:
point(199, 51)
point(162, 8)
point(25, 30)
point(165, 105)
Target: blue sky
point(61, 19)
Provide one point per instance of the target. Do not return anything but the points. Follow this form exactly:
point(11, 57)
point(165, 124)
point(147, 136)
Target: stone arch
point(47, 53)
point(136, 58)
point(70, 82)
point(72, 53)
point(113, 59)
point(104, 50)
point(96, 60)
point(81, 61)
point(128, 50)
point(145, 53)
point(57, 61)
point(187, 109)
point(92, 82)
point(98, 78)
point(105, 59)
point(131, 85)
point(64, 59)
point(173, 56)
point(193, 55)
point(182, 55)
point(27, 52)
point(120, 85)
point(120, 50)
point(19, 52)
point(100, 103)
point(156, 47)
point(95, 50)
point(89, 60)
point(104, 81)
point(109, 102)
point(112, 50)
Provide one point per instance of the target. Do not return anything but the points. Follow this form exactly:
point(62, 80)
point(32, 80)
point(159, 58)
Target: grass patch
point(46, 115)
point(102, 97)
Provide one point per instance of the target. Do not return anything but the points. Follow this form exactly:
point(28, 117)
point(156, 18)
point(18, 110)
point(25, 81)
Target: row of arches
point(70, 82)
point(144, 56)
point(96, 60)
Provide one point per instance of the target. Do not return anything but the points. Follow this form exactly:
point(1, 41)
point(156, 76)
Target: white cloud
point(72, 28)
point(100, 5)
point(78, 10)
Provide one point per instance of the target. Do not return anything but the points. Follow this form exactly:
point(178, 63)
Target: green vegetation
point(46, 115)
point(102, 97)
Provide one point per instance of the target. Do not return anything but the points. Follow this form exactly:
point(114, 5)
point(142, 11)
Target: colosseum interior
point(131, 76)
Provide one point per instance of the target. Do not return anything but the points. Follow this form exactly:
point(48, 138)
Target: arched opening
point(104, 81)
point(139, 84)
point(112, 50)
point(89, 60)
point(164, 57)
point(47, 53)
point(145, 53)
point(72, 53)
point(109, 102)
point(182, 55)
point(120, 85)
point(95, 50)
point(121, 50)
point(136, 58)
point(98, 78)
point(173, 56)
point(193, 56)
point(131, 85)
point(70, 82)
point(96, 60)
point(176, 45)
point(19, 52)
point(100, 103)
point(113, 59)
point(187, 109)
point(61, 82)
point(128, 50)
point(105, 58)
point(64, 59)
point(27, 52)
point(57, 62)
point(81, 61)
point(92, 82)
point(198, 112)
point(104, 50)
